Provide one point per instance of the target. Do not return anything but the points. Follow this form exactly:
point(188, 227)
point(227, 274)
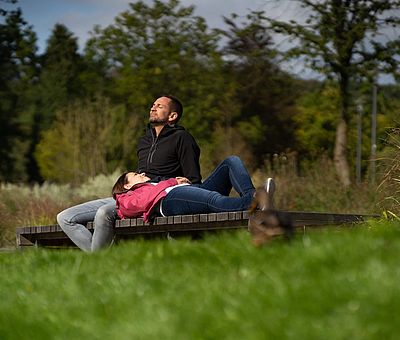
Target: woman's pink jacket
point(141, 198)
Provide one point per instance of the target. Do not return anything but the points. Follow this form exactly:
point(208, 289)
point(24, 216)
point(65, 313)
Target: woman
point(137, 197)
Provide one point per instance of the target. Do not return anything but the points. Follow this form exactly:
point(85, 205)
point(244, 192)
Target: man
point(167, 150)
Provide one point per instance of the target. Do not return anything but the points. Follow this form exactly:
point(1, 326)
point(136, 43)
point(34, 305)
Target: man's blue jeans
point(212, 194)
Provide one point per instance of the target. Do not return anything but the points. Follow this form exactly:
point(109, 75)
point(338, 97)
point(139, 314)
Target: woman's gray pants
point(73, 220)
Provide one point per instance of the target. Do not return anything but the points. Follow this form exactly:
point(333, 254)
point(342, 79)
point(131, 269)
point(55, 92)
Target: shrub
point(98, 186)
point(21, 205)
point(87, 139)
point(315, 187)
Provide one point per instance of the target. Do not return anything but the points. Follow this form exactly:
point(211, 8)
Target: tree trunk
point(340, 153)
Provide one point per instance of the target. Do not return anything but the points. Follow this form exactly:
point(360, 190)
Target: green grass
point(341, 283)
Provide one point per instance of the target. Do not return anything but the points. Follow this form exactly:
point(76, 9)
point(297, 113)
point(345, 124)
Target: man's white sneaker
point(270, 189)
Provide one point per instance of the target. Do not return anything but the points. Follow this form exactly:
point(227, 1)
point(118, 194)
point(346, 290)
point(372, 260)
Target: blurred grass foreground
point(337, 283)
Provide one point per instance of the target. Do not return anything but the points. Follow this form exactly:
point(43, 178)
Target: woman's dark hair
point(176, 106)
point(118, 187)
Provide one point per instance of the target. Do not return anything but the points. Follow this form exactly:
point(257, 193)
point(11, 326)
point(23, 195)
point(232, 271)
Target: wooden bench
point(53, 236)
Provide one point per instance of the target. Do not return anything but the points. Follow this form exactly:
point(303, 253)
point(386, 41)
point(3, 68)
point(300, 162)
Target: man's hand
point(182, 180)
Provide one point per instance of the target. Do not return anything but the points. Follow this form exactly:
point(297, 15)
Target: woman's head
point(127, 180)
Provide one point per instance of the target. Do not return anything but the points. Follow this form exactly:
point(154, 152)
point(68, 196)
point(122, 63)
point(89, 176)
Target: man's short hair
point(176, 106)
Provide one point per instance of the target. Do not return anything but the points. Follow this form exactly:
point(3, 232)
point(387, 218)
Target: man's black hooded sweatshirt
point(173, 153)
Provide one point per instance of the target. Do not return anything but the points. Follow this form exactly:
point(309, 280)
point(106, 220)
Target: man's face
point(160, 111)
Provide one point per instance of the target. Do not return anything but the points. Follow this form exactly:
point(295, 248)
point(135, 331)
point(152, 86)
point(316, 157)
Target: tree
point(341, 39)
point(18, 73)
point(162, 48)
point(316, 121)
point(263, 94)
point(59, 83)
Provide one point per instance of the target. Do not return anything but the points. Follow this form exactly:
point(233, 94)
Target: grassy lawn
point(341, 283)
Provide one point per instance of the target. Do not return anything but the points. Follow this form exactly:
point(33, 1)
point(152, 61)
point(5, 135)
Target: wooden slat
point(126, 223)
point(177, 219)
point(187, 218)
point(300, 219)
point(212, 217)
point(224, 216)
point(203, 218)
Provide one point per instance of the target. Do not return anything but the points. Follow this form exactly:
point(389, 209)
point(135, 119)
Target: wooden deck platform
point(53, 236)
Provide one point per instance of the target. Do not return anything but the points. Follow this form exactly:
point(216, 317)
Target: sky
point(80, 16)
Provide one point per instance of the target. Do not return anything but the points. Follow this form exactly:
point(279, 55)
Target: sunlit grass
point(338, 283)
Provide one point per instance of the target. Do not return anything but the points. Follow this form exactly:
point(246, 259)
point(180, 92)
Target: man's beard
point(158, 121)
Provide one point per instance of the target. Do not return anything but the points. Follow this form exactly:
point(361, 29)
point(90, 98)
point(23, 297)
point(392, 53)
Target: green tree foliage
point(18, 73)
point(316, 121)
point(162, 48)
point(264, 95)
point(58, 85)
point(60, 74)
point(340, 39)
point(88, 138)
point(389, 104)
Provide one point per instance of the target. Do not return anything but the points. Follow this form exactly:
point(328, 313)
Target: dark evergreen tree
point(18, 73)
point(60, 80)
point(59, 84)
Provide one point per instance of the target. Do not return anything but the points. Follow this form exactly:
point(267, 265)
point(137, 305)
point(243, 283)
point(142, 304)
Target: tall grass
point(391, 168)
point(316, 187)
point(22, 205)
